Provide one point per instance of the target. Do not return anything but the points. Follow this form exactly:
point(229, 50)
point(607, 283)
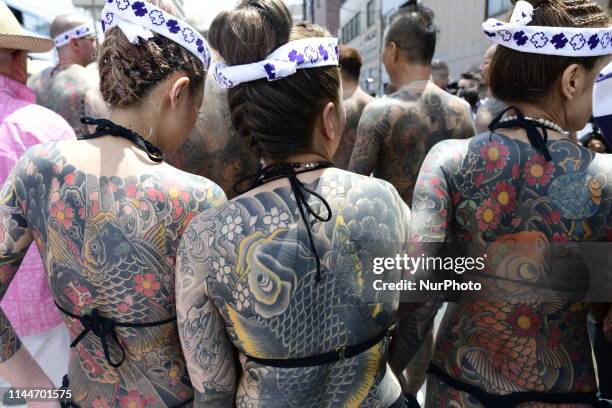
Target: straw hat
point(13, 37)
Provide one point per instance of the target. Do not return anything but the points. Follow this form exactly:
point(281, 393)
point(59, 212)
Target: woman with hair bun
point(511, 195)
point(279, 280)
point(107, 214)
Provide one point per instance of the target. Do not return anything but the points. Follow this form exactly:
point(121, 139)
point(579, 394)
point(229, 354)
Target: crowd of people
point(192, 220)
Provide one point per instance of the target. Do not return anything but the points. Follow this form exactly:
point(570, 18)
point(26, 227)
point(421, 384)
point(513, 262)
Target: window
point(351, 29)
point(496, 7)
point(371, 13)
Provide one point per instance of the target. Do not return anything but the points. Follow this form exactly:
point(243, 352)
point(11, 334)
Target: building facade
point(361, 27)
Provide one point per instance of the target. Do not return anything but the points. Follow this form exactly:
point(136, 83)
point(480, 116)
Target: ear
point(179, 87)
point(393, 51)
point(330, 117)
point(572, 81)
point(74, 45)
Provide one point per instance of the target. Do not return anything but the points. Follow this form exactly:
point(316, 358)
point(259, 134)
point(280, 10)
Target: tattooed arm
point(208, 351)
point(374, 126)
point(17, 366)
point(431, 215)
point(354, 107)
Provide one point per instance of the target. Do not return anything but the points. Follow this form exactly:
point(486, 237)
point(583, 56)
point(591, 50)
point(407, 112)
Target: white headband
point(561, 41)
point(285, 61)
point(139, 19)
point(76, 33)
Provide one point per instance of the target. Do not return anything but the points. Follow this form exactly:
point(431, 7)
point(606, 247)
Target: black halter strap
point(278, 171)
point(102, 327)
point(538, 140)
point(105, 127)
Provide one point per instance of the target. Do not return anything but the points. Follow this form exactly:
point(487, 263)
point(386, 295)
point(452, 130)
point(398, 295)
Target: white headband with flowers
point(74, 33)
point(561, 41)
point(139, 19)
point(285, 61)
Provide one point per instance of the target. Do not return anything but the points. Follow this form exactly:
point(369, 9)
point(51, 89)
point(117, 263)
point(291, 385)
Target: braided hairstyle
point(128, 72)
point(525, 77)
point(277, 118)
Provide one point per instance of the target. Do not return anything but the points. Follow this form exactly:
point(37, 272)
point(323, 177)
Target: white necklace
point(544, 122)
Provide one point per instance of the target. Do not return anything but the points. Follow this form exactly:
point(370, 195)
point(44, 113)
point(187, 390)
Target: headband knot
point(140, 19)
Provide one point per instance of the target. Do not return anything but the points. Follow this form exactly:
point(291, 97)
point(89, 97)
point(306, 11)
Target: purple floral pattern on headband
point(188, 35)
point(323, 53)
point(559, 40)
point(139, 8)
point(311, 54)
point(271, 71)
point(173, 26)
point(593, 41)
point(578, 42)
point(200, 45)
point(157, 18)
point(296, 57)
point(520, 38)
point(123, 4)
point(539, 40)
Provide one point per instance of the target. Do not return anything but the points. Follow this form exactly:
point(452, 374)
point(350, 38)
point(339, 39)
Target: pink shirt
point(28, 303)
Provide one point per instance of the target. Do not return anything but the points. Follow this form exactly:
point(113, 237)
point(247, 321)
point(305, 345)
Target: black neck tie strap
point(106, 127)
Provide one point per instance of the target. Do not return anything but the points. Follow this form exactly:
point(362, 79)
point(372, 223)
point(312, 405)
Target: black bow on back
point(538, 140)
point(287, 170)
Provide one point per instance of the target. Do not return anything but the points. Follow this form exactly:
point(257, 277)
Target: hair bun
point(251, 31)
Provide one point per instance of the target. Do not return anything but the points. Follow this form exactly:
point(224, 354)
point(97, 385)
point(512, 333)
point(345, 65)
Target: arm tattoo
point(15, 239)
point(208, 351)
point(354, 108)
point(374, 126)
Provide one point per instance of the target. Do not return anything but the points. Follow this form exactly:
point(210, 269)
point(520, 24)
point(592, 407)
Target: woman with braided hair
point(513, 195)
point(107, 213)
point(279, 280)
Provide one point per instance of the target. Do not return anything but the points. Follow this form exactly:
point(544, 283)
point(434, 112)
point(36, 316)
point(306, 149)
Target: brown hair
point(128, 72)
point(415, 32)
point(525, 77)
point(277, 117)
point(350, 62)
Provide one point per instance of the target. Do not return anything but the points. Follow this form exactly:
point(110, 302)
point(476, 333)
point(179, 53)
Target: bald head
point(78, 51)
point(66, 22)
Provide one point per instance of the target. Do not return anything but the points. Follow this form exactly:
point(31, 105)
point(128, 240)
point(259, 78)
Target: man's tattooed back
point(396, 132)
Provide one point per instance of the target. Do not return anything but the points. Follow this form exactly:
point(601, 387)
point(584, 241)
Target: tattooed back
point(72, 92)
point(254, 259)
point(214, 149)
point(109, 243)
point(396, 132)
point(499, 196)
